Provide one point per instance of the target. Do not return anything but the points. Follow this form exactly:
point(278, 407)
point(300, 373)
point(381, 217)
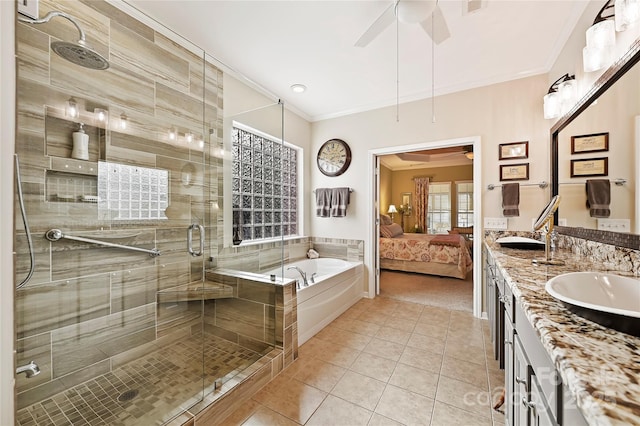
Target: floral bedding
point(451, 249)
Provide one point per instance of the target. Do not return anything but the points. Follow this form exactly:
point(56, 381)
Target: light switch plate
point(497, 223)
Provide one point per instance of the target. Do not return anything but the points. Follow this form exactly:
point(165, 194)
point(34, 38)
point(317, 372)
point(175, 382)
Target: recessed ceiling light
point(298, 88)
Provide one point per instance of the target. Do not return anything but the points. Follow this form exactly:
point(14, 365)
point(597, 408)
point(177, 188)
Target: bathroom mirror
point(611, 106)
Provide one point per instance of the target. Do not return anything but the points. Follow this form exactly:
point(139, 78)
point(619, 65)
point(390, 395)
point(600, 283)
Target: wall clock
point(334, 157)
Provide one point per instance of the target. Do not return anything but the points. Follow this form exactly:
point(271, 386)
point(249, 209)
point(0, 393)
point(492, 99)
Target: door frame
point(371, 254)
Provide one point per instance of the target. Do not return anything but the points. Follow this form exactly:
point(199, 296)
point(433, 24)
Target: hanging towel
point(510, 199)
point(339, 202)
point(598, 197)
point(323, 202)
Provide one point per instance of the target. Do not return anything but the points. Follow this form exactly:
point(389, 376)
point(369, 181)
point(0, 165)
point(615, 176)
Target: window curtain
point(422, 202)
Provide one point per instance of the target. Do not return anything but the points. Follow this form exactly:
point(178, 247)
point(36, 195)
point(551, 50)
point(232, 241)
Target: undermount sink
point(607, 299)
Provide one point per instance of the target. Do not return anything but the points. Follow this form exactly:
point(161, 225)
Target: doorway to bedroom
point(427, 214)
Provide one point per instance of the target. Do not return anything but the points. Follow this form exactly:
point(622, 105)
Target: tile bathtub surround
point(598, 365)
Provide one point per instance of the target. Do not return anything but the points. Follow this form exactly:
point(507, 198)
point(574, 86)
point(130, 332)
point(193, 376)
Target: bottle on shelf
point(80, 149)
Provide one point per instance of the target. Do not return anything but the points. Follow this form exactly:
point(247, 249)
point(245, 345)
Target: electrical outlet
point(498, 223)
point(615, 225)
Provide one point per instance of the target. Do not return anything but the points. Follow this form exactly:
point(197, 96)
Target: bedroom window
point(264, 185)
point(464, 191)
point(439, 214)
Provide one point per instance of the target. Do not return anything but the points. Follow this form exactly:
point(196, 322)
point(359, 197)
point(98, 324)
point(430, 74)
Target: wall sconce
point(72, 108)
point(101, 114)
point(627, 13)
point(123, 121)
point(561, 96)
point(188, 137)
point(392, 210)
point(601, 39)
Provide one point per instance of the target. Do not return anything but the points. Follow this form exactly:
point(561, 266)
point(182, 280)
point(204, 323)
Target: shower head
point(79, 53)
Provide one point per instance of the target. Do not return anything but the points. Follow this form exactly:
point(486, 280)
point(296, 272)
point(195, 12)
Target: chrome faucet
point(312, 280)
point(302, 274)
point(30, 369)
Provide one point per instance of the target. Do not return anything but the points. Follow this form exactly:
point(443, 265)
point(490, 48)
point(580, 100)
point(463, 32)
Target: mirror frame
point(606, 80)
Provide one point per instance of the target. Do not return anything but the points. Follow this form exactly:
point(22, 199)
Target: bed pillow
point(385, 220)
point(391, 231)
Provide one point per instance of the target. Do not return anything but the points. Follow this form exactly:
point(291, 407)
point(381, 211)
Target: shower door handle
point(190, 240)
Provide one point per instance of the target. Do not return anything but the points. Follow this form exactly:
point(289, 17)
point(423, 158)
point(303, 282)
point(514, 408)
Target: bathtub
point(338, 284)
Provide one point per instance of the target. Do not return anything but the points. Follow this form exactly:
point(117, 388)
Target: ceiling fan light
point(414, 11)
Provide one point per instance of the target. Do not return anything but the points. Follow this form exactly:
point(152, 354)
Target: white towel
point(323, 202)
point(339, 202)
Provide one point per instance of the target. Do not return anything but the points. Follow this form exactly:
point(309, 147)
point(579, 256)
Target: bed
point(444, 255)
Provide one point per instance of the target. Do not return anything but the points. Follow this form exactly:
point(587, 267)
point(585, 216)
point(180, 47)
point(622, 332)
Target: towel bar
point(542, 185)
point(618, 182)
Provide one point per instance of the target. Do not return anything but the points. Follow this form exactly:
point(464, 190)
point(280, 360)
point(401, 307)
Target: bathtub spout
point(30, 369)
point(312, 280)
point(305, 283)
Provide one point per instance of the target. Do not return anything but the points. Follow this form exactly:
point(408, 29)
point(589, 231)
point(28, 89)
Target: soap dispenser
point(80, 144)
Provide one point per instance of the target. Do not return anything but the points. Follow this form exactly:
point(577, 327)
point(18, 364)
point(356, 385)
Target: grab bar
point(190, 240)
point(56, 234)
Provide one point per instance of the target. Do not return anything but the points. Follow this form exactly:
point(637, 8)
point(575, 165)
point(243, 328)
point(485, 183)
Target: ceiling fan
point(425, 12)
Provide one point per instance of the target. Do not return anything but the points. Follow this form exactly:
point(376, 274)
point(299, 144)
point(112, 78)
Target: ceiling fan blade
point(440, 31)
point(380, 24)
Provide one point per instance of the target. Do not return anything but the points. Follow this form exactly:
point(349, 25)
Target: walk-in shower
point(124, 318)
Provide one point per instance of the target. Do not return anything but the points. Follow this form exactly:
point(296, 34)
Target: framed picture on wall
point(514, 172)
point(590, 167)
point(596, 142)
point(514, 150)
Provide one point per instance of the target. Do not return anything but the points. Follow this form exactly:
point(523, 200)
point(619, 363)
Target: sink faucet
point(302, 274)
point(30, 369)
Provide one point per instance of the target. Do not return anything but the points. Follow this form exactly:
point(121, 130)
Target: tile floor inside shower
point(150, 390)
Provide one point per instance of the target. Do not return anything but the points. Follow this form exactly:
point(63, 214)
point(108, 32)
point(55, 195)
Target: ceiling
point(279, 43)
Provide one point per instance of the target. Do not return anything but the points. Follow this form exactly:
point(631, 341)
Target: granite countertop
point(599, 365)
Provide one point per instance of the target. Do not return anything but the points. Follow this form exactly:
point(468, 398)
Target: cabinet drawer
point(547, 376)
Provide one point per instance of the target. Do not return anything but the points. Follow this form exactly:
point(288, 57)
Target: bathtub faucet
point(31, 369)
point(302, 274)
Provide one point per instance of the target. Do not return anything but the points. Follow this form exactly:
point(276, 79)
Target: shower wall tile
point(118, 85)
point(257, 292)
point(133, 288)
point(173, 316)
point(122, 18)
point(39, 393)
point(88, 342)
point(59, 138)
point(148, 145)
point(33, 53)
point(41, 273)
point(38, 349)
point(185, 177)
point(146, 58)
point(241, 316)
point(47, 307)
point(123, 155)
point(178, 108)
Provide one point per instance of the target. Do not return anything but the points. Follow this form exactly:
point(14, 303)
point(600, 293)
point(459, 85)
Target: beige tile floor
point(386, 362)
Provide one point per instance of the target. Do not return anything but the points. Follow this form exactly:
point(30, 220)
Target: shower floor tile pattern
point(165, 379)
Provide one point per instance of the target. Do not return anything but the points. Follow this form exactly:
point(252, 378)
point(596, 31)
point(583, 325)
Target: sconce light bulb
point(189, 137)
point(201, 143)
point(72, 108)
point(100, 114)
point(173, 134)
point(123, 121)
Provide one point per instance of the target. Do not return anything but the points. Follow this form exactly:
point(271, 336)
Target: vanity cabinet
point(534, 391)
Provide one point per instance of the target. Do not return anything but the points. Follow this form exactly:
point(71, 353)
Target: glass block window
point(264, 186)
point(131, 192)
point(439, 214)
point(464, 194)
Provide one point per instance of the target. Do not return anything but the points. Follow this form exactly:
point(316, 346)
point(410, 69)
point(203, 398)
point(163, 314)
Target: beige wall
point(386, 189)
